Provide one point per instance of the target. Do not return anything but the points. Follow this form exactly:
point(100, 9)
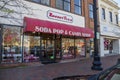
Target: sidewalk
point(50, 71)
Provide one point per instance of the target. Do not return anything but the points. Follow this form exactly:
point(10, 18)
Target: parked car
point(76, 77)
point(112, 73)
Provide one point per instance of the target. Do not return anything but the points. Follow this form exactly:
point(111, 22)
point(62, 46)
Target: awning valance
point(37, 25)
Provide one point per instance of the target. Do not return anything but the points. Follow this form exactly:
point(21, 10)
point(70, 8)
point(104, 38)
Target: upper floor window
point(103, 13)
point(77, 7)
point(63, 4)
point(91, 11)
point(116, 19)
point(110, 14)
point(45, 2)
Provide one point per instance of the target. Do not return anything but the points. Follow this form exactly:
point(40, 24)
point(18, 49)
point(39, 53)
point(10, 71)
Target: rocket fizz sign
point(59, 16)
point(60, 31)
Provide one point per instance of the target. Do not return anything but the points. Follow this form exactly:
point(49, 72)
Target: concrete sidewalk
point(50, 71)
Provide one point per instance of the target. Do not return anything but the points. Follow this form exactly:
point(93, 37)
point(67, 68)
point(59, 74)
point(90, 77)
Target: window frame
point(63, 5)
point(110, 16)
point(40, 2)
point(91, 11)
point(116, 16)
point(19, 54)
point(79, 6)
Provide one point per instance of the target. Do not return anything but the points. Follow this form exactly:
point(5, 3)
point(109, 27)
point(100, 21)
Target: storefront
point(109, 40)
point(43, 41)
point(49, 34)
point(46, 41)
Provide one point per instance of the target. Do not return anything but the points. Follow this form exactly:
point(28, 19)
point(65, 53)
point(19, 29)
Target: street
point(50, 71)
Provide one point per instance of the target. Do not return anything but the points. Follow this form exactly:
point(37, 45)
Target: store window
point(31, 48)
point(63, 4)
point(108, 44)
point(73, 48)
point(11, 52)
point(77, 7)
point(68, 48)
point(91, 11)
point(80, 47)
point(44, 2)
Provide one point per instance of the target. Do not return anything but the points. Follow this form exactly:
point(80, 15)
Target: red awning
point(37, 25)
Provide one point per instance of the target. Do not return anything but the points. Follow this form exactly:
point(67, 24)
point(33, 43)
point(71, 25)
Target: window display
point(67, 48)
point(72, 48)
point(107, 44)
point(80, 47)
point(31, 48)
point(11, 52)
point(37, 47)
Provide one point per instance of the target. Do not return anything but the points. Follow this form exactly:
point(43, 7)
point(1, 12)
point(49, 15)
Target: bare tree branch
point(4, 4)
point(10, 8)
point(15, 9)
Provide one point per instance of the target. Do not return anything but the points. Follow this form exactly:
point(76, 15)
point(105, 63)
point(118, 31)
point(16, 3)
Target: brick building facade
point(48, 30)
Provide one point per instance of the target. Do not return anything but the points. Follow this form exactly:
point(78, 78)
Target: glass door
point(58, 51)
point(47, 50)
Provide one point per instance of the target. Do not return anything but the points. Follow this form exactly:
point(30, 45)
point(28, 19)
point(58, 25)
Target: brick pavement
point(50, 71)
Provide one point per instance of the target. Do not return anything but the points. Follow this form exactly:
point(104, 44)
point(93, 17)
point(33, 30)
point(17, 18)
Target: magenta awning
point(43, 26)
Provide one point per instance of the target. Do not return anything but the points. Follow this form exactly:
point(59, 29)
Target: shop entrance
point(47, 50)
point(50, 49)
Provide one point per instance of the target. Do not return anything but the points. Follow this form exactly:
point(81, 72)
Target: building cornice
point(103, 6)
point(112, 3)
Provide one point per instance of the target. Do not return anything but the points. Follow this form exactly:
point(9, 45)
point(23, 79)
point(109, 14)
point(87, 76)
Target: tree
point(13, 10)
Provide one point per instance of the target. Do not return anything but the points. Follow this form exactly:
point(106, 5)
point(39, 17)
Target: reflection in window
point(67, 5)
point(67, 48)
point(71, 49)
point(11, 44)
point(45, 2)
point(63, 4)
point(31, 48)
point(38, 1)
point(59, 4)
point(80, 47)
point(91, 11)
point(77, 7)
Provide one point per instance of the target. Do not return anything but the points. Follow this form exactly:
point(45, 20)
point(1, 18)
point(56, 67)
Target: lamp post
point(0, 43)
point(96, 60)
